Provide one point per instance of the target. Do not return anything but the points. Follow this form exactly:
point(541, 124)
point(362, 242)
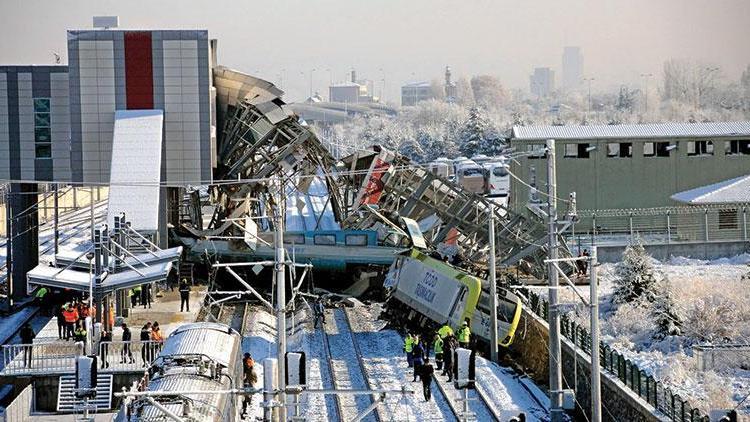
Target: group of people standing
point(443, 343)
point(152, 339)
point(140, 295)
point(71, 320)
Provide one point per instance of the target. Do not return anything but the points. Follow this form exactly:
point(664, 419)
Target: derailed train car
point(195, 358)
point(434, 292)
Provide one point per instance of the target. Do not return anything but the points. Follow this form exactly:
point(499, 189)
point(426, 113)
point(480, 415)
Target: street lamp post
point(589, 102)
point(645, 88)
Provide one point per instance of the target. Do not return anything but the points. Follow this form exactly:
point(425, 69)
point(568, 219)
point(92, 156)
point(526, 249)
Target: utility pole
point(493, 285)
point(596, 397)
point(57, 222)
point(279, 275)
point(555, 364)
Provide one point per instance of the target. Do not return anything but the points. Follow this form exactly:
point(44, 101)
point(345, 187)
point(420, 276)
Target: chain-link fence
point(664, 225)
point(664, 399)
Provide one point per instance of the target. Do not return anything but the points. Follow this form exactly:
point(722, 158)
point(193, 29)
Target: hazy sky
point(410, 39)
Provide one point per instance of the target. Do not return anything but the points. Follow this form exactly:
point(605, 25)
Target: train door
point(457, 309)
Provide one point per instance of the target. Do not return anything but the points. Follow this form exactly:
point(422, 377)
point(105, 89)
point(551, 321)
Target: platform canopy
point(136, 168)
point(65, 258)
point(732, 191)
point(44, 275)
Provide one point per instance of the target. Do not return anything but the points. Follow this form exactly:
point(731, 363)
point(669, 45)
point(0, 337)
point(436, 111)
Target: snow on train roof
point(216, 341)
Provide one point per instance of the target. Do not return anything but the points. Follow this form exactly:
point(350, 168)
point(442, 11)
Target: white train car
point(201, 356)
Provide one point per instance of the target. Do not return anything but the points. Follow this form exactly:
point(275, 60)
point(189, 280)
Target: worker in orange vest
point(71, 317)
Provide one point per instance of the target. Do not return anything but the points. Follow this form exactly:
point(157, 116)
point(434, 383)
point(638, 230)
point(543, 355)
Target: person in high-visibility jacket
point(409, 342)
point(71, 317)
point(464, 335)
point(437, 346)
point(445, 331)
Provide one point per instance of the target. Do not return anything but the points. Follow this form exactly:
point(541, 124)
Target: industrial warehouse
point(183, 244)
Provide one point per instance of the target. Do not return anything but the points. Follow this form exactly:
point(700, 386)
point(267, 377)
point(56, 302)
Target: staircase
point(67, 401)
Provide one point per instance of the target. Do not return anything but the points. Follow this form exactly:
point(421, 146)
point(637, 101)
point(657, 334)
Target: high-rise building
point(572, 68)
point(542, 81)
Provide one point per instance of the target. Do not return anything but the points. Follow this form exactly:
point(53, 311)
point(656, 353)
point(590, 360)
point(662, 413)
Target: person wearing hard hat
point(464, 335)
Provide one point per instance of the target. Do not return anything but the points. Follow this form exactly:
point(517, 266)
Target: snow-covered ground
point(712, 299)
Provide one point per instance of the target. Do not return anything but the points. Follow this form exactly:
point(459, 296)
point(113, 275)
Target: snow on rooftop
point(651, 130)
point(730, 191)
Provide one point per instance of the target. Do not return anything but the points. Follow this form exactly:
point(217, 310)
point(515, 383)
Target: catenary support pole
point(57, 222)
point(279, 273)
point(493, 284)
point(555, 364)
point(596, 397)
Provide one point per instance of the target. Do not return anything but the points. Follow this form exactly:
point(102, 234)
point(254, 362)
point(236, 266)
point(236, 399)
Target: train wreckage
point(351, 216)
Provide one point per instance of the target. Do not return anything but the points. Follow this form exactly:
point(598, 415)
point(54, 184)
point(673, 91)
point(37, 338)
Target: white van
point(498, 179)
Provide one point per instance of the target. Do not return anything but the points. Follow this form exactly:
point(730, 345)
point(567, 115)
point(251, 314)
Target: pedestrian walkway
point(50, 355)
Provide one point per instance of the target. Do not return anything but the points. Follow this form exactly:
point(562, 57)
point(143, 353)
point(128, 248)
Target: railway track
point(346, 378)
point(478, 407)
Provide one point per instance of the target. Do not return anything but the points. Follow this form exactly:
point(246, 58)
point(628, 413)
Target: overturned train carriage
point(195, 359)
point(434, 292)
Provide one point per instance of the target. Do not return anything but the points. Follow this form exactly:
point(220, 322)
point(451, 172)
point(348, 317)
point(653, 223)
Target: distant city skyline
point(291, 42)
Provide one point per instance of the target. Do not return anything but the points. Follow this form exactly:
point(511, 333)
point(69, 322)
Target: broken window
point(696, 148)
point(648, 149)
point(737, 147)
point(620, 149)
point(577, 150)
point(663, 148)
point(537, 150)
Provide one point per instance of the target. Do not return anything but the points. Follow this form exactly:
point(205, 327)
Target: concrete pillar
point(23, 236)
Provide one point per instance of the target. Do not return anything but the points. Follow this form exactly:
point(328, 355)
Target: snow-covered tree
point(479, 136)
point(664, 311)
point(636, 276)
point(488, 91)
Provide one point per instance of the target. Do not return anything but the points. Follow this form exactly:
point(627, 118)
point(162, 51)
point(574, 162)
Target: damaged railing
point(663, 398)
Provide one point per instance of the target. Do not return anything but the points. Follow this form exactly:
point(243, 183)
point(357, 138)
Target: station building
point(58, 124)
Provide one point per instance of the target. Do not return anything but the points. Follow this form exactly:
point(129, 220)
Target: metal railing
point(656, 393)
point(59, 357)
point(722, 356)
point(666, 224)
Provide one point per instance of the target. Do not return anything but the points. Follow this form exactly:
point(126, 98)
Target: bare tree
point(488, 91)
point(690, 82)
point(464, 94)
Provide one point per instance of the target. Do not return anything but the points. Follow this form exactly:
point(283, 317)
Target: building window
point(536, 150)
point(728, 219)
point(577, 150)
point(696, 148)
point(737, 147)
point(42, 128)
point(620, 149)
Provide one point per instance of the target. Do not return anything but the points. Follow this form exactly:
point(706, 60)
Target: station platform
point(52, 356)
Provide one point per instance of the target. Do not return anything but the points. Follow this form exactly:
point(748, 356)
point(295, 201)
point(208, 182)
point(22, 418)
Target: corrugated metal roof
point(634, 131)
point(216, 341)
point(732, 191)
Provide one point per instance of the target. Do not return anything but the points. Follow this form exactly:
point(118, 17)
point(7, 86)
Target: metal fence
point(59, 358)
point(665, 225)
point(664, 399)
point(722, 356)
